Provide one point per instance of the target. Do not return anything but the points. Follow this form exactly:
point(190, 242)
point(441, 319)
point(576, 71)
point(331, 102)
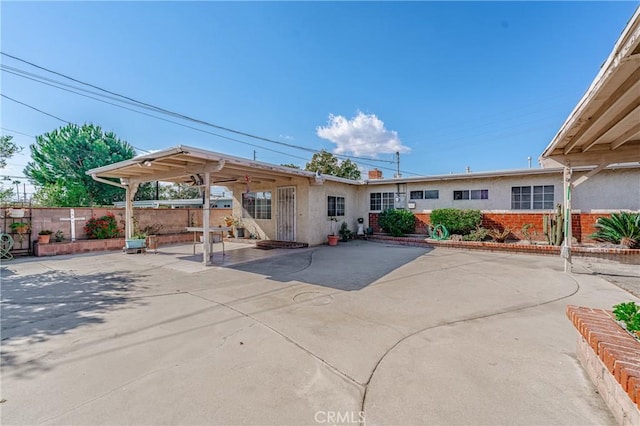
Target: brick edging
point(607, 253)
point(619, 354)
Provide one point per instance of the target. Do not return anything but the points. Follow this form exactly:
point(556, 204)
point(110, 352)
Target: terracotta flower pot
point(333, 240)
point(44, 239)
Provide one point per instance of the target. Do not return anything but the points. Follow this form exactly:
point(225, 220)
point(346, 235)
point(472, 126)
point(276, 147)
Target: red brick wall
point(617, 350)
point(582, 223)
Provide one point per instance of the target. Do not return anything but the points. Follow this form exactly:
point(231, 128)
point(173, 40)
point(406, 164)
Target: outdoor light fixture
point(147, 163)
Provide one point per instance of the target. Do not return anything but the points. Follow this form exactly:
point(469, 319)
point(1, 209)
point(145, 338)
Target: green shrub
point(397, 222)
point(457, 221)
point(621, 228)
point(629, 313)
point(102, 227)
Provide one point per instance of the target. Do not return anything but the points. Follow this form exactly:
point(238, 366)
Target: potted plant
point(239, 225)
point(138, 239)
point(44, 236)
point(59, 236)
point(228, 222)
point(344, 232)
point(15, 212)
point(333, 238)
point(20, 227)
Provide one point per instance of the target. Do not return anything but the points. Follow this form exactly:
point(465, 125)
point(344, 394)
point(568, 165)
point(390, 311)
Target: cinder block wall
point(173, 221)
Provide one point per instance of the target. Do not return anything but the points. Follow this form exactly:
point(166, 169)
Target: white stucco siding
point(499, 192)
point(319, 223)
point(609, 190)
point(617, 189)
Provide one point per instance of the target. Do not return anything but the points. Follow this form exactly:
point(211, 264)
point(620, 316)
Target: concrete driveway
point(326, 335)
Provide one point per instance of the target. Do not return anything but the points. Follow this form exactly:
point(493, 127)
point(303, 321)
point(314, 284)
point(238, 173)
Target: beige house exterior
point(285, 204)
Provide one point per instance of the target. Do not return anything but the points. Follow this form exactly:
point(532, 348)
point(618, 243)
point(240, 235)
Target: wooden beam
point(625, 137)
point(582, 179)
point(615, 98)
point(633, 110)
point(179, 172)
point(629, 152)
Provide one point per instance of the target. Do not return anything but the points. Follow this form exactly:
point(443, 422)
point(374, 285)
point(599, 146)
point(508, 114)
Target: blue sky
point(449, 84)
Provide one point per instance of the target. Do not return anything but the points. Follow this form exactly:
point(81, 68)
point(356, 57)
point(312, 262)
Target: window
point(474, 194)
point(521, 197)
point(256, 205)
point(381, 200)
point(543, 197)
point(335, 206)
point(460, 195)
point(431, 194)
point(416, 195)
point(479, 194)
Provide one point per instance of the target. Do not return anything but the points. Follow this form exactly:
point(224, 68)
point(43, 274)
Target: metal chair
point(6, 244)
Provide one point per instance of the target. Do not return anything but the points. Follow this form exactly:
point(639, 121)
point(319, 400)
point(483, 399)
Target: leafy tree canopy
point(7, 149)
point(61, 158)
point(328, 164)
point(180, 191)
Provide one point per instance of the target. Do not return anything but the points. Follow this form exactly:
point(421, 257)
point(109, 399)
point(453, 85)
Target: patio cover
point(604, 128)
point(185, 164)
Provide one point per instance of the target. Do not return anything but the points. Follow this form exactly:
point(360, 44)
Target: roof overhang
point(493, 174)
point(604, 127)
point(185, 164)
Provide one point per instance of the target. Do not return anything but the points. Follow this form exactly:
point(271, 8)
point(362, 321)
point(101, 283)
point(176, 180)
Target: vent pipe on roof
point(468, 169)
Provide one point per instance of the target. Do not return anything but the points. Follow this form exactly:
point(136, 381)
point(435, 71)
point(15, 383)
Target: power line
point(16, 132)
point(181, 124)
point(34, 108)
point(182, 116)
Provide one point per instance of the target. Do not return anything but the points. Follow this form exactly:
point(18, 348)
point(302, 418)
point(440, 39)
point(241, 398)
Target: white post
point(130, 192)
point(566, 249)
point(206, 210)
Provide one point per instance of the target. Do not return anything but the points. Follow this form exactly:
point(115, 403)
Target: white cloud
point(364, 135)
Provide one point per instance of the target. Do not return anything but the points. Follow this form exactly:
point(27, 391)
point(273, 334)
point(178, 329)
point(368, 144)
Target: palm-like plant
point(621, 228)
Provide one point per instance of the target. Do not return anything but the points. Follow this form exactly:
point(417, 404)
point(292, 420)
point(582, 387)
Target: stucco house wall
point(614, 189)
point(609, 190)
point(319, 220)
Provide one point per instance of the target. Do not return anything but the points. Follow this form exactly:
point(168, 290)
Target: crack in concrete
point(336, 370)
point(459, 321)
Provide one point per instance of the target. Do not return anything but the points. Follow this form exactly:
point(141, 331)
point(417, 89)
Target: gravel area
point(625, 276)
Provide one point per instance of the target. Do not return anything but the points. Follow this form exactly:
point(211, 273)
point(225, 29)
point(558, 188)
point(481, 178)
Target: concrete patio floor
point(404, 335)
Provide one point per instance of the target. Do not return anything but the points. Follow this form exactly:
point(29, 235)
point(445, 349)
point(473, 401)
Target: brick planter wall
point(582, 225)
point(611, 357)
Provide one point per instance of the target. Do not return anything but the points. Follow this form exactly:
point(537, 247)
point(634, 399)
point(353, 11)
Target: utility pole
point(398, 164)
point(254, 155)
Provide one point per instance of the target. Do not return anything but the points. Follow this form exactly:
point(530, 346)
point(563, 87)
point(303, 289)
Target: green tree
point(61, 158)
point(181, 191)
point(7, 150)
point(328, 164)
